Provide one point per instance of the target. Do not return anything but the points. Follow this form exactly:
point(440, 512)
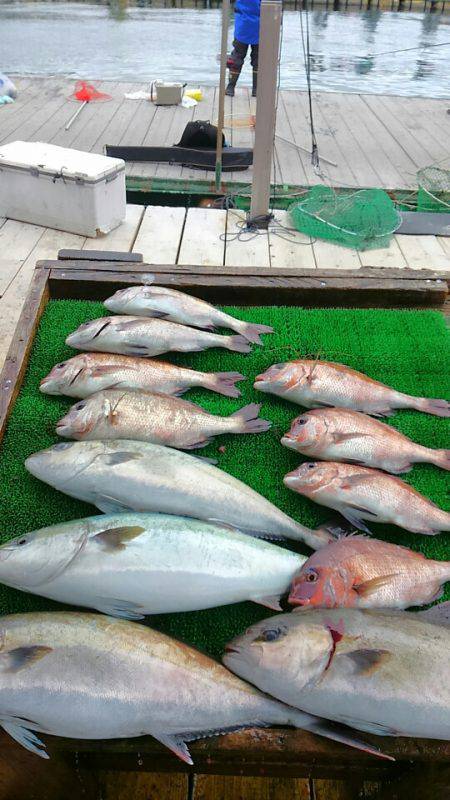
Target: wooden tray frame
point(419, 764)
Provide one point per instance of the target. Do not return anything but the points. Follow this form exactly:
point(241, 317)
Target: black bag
point(200, 135)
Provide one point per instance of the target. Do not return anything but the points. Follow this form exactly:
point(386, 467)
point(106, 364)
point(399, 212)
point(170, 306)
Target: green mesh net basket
point(361, 220)
point(434, 189)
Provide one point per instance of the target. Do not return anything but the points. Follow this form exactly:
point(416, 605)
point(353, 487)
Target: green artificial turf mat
point(409, 350)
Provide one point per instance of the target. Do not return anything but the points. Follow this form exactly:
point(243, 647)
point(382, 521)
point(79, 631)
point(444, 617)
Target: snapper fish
point(89, 676)
point(88, 373)
point(123, 475)
point(140, 336)
point(356, 571)
point(163, 303)
point(360, 493)
point(322, 383)
point(157, 418)
point(382, 671)
point(339, 434)
point(147, 564)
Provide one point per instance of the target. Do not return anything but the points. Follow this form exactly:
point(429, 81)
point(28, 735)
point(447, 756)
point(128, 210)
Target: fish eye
point(62, 445)
point(22, 541)
point(302, 421)
point(79, 406)
point(311, 465)
point(61, 365)
point(271, 635)
point(311, 576)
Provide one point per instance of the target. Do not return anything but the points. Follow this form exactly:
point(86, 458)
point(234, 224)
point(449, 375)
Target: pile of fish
point(179, 534)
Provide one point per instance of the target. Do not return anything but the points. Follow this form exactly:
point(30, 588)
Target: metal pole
point(74, 116)
point(223, 74)
point(269, 45)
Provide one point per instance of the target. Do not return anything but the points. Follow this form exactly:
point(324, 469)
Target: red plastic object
point(86, 93)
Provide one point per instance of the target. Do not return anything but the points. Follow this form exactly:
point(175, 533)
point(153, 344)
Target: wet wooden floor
point(374, 140)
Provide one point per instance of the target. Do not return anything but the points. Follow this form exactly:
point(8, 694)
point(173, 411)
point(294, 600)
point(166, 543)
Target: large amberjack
point(137, 476)
point(380, 671)
point(87, 676)
point(147, 564)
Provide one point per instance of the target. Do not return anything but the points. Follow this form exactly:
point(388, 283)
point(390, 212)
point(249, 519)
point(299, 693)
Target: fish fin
point(256, 534)
point(367, 588)
point(136, 350)
point(114, 539)
point(20, 657)
point(207, 460)
point(353, 518)
point(105, 369)
point(382, 412)
point(176, 744)
point(355, 480)
point(370, 727)
point(25, 737)
point(438, 615)
point(366, 661)
point(252, 332)
point(238, 344)
point(270, 601)
point(118, 608)
point(440, 408)
point(128, 325)
point(112, 459)
point(154, 314)
point(199, 444)
point(345, 437)
point(248, 420)
point(340, 733)
point(109, 505)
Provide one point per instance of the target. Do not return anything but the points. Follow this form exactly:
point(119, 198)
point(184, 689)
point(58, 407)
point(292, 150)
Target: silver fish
point(88, 373)
point(87, 676)
point(384, 672)
point(140, 336)
point(157, 418)
point(164, 303)
point(147, 564)
point(138, 476)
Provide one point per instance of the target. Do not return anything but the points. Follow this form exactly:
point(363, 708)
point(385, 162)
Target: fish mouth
point(232, 649)
point(45, 386)
point(62, 429)
point(288, 441)
point(290, 480)
point(293, 600)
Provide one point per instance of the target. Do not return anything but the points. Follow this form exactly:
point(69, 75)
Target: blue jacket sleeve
point(246, 21)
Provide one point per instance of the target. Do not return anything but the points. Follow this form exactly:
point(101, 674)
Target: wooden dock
point(375, 140)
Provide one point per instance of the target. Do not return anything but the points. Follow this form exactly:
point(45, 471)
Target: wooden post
point(269, 44)
point(223, 72)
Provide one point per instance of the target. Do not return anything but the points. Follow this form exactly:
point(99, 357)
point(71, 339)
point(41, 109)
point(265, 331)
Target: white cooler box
point(61, 188)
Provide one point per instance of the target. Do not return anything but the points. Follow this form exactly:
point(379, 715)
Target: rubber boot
point(229, 91)
point(255, 82)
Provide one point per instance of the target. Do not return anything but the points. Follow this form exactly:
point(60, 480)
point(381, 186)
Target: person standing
point(246, 34)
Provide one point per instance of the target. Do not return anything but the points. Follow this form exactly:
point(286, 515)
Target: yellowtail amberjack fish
point(380, 671)
point(126, 475)
point(142, 336)
point(170, 304)
point(147, 564)
point(88, 676)
point(88, 373)
point(147, 417)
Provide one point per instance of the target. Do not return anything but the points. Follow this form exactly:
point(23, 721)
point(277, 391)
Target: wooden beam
point(221, 106)
point(269, 46)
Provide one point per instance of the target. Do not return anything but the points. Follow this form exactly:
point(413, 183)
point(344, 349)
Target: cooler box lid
point(39, 158)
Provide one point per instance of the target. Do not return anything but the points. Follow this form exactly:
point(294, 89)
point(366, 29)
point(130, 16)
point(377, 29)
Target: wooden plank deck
point(374, 140)
point(205, 237)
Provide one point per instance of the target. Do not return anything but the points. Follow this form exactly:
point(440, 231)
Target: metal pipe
point(74, 116)
point(223, 73)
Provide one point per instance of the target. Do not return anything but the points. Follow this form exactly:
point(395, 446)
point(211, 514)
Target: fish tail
point(439, 408)
point(238, 344)
point(441, 458)
point(252, 331)
point(246, 420)
point(223, 383)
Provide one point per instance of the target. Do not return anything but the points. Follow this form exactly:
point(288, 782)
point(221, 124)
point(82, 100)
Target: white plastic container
point(61, 188)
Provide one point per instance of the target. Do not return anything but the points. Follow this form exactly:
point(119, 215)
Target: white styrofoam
point(61, 188)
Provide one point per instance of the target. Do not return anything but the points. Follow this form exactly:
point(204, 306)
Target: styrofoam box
point(62, 188)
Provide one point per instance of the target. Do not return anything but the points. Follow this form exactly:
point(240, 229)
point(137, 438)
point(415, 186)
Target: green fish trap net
point(360, 220)
point(434, 189)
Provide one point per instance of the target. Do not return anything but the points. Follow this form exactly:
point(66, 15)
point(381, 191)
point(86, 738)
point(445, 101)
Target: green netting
point(434, 189)
point(406, 349)
point(361, 220)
